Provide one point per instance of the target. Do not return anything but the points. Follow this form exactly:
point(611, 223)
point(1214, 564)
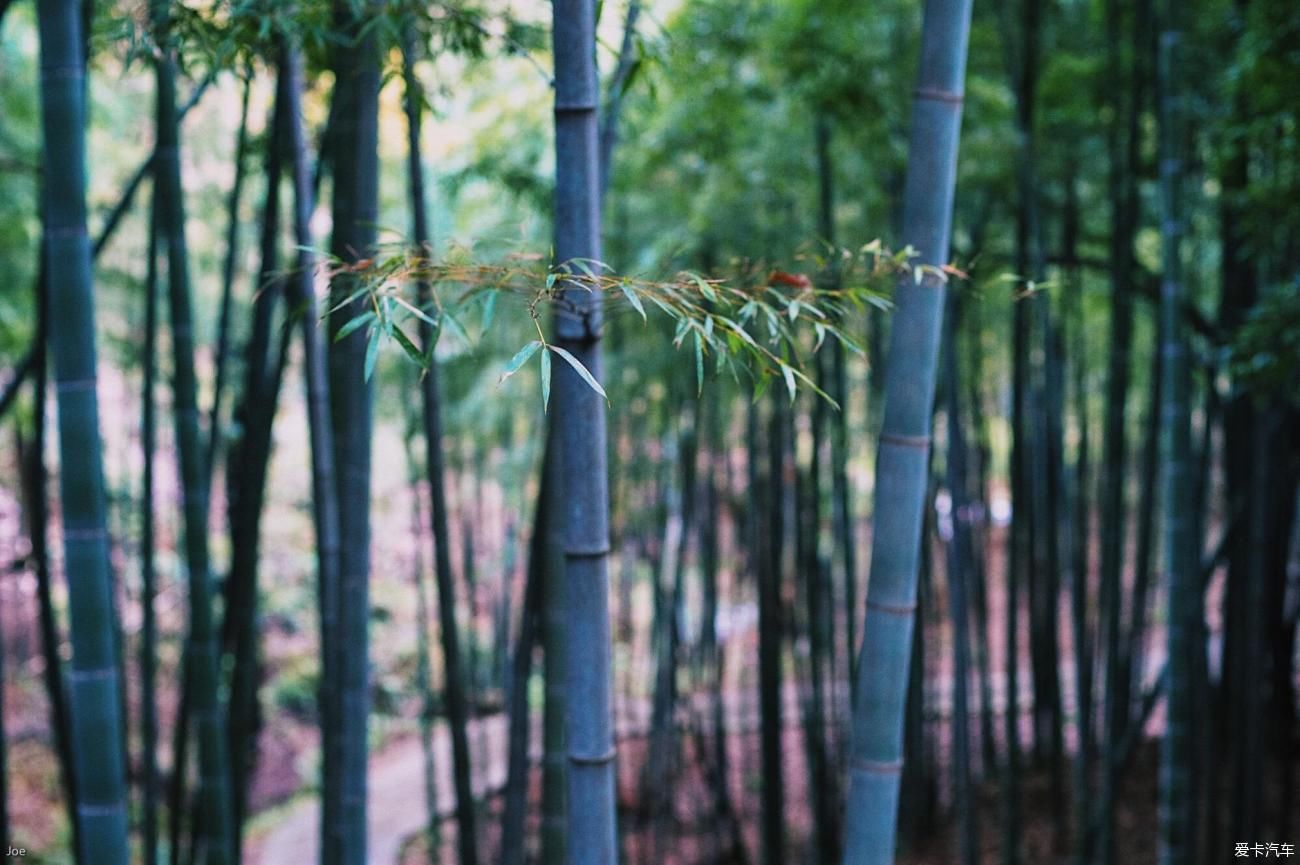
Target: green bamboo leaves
point(97, 737)
point(760, 325)
point(517, 362)
point(525, 353)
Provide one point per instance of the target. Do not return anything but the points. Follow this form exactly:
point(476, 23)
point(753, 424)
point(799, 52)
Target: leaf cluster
point(760, 321)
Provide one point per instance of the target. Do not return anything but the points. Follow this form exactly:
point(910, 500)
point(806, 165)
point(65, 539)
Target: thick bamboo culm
point(99, 764)
point(875, 758)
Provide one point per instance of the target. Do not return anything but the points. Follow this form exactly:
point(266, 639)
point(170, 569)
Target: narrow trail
point(396, 796)
point(396, 807)
point(396, 775)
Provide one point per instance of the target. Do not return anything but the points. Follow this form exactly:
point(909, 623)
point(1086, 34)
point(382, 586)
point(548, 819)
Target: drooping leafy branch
point(759, 320)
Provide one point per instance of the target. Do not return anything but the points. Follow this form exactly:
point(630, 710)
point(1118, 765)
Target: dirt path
point(396, 795)
point(396, 776)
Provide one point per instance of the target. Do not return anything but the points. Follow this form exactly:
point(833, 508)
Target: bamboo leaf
point(584, 264)
point(363, 290)
point(705, 289)
point(699, 365)
point(790, 384)
point(352, 325)
point(409, 347)
point(667, 310)
point(580, 370)
point(372, 352)
point(546, 381)
point(457, 326)
point(632, 298)
point(680, 333)
point(416, 311)
point(521, 357)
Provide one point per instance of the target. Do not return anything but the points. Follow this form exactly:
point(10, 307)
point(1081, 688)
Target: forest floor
point(659, 830)
point(687, 831)
point(396, 797)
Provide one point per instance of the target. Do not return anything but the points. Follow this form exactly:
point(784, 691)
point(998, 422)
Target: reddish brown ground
point(689, 831)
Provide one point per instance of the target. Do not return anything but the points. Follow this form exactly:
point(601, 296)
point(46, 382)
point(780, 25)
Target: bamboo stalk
point(1182, 548)
point(580, 419)
point(214, 835)
point(902, 461)
point(302, 298)
point(148, 571)
point(354, 164)
point(229, 268)
point(93, 681)
point(959, 556)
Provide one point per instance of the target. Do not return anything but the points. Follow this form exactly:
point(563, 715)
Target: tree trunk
point(979, 529)
point(456, 693)
point(959, 557)
point(1134, 654)
point(214, 838)
point(148, 623)
point(35, 500)
point(248, 464)
point(554, 776)
point(711, 651)
point(902, 462)
point(424, 664)
point(813, 572)
point(93, 699)
point(1182, 547)
point(662, 752)
point(513, 829)
point(1081, 555)
point(325, 506)
point(228, 271)
point(836, 385)
point(771, 628)
point(581, 423)
point(1124, 214)
point(623, 70)
point(355, 168)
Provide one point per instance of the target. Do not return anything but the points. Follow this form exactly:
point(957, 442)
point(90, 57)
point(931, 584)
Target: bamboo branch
point(15, 383)
point(124, 203)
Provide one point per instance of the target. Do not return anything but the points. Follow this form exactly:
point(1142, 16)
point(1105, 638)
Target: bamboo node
point(92, 534)
point(891, 609)
point(593, 760)
point(65, 232)
point(65, 72)
point(878, 767)
point(99, 674)
point(917, 442)
point(934, 94)
point(73, 385)
point(594, 551)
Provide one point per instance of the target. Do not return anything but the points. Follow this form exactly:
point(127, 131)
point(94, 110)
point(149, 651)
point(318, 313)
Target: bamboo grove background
point(689, 431)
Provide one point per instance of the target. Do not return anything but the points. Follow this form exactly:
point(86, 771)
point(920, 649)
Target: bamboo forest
point(657, 432)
